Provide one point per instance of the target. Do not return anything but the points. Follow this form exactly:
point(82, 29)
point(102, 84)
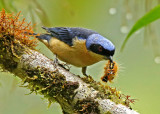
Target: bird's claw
point(55, 62)
point(65, 66)
point(84, 71)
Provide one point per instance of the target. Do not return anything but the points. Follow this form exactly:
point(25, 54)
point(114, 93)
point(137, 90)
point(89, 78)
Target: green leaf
point(149, 17)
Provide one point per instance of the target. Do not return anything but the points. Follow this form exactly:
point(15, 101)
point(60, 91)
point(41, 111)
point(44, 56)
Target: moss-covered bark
point(73, 93)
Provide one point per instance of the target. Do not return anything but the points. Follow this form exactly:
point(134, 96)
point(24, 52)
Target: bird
point(77, 46)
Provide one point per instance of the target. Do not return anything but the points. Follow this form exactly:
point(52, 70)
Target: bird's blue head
point(100, 45)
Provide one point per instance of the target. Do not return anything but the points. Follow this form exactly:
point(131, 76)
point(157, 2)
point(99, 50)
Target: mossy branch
point(73, 93)
point(58, 84)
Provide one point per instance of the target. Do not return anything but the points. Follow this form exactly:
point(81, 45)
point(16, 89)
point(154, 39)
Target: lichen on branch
point(73, 93)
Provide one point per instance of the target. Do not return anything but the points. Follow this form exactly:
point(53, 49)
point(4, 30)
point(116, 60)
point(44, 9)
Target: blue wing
point(67, 34)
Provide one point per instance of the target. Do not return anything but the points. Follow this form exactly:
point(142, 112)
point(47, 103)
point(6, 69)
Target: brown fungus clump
point(11, 28)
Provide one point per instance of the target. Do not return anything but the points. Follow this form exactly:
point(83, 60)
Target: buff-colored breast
point(77, 55)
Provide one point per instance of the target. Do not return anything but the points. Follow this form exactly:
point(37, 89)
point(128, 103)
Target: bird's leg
point(65, 66)
point(55, 62)
point(84, 71)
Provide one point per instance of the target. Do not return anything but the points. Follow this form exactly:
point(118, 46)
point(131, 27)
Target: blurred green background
point(139, 63)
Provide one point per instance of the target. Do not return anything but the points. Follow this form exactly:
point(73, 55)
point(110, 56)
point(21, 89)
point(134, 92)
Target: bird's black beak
point(109, 58)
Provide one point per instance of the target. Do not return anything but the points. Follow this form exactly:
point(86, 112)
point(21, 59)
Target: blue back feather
point(67, 34)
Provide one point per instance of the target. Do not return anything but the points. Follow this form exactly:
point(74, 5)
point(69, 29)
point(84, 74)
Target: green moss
point(7, 57)
point(51, 84)
point(106, 92)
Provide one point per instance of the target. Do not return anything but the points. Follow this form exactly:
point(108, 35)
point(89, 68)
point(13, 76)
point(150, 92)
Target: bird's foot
point(84, 71)
point(55, 62)
point(65, 66)
point(85, 74)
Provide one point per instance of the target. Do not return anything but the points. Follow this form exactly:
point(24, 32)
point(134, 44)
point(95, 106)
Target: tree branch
point(73, 93)
point(41, 75)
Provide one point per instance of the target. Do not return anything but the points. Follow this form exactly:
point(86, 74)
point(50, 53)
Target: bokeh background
point(139, 63)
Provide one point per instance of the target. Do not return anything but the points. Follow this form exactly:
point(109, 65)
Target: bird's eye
point(100, 48)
